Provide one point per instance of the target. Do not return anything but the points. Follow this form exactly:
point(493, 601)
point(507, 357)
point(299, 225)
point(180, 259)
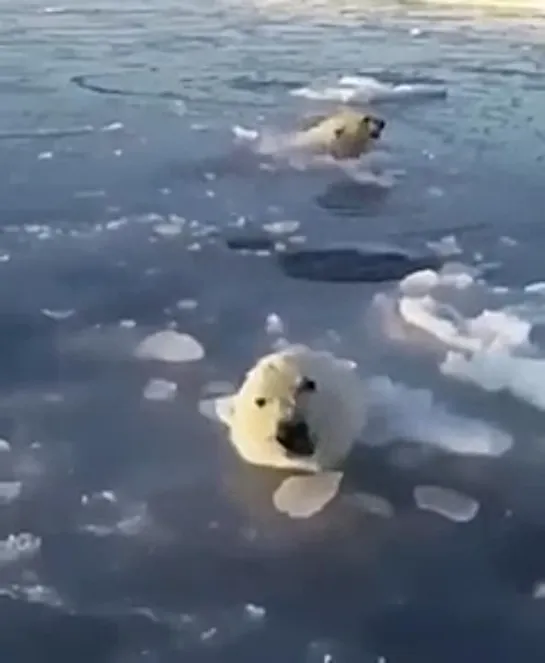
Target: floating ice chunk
point(114, 126)
point(40, 594)
point(245, 134)
point(373, 504)
point(168, 229)
point(43, 156)
point(274, 324)
point(135, 520)
point(524, 377)
point(447, 246)
point(255, 612)
point(419, 283)
point(160, 390)
point(369, 89)
point(187, 304)
point(500, 330)
point(304, 496)
point(127, 324)
point(5, 445)
point(18, 546)
point(209, 634)
point(9, 491)
point(535, 288)
point(108, 495)
point(445, 502)
point(170, 346)
point(426, 314)
point(413, 414)
point(58, 315)
point(281, 227)
point(539, 590)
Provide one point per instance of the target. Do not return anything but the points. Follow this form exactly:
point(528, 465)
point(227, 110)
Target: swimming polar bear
point(299, 410)
point(347, 134)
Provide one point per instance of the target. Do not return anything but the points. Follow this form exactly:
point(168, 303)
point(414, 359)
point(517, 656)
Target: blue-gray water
point(114, 117)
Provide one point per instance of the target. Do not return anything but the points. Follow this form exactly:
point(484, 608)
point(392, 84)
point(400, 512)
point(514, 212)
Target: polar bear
point(298, 410)
point(346, 134)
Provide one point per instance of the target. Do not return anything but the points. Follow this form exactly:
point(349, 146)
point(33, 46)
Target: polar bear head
point(346, 134)
point(297, 409)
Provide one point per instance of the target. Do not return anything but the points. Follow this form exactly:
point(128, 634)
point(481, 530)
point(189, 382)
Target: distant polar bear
point(297, 409)
point(346, 134)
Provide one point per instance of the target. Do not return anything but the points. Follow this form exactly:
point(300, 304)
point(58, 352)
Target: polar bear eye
point(260, 402)
point(339, 132)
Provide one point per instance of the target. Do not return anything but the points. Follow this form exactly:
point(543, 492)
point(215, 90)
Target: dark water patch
point(259, 84)
point(85, 82)
point(534, 73)
point(245, 241)
point(33, 633)
point(353, 265)
point(349, 198)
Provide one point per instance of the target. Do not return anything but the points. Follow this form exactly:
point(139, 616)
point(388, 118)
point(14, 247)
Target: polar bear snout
point(376, 126)
point(294, 436)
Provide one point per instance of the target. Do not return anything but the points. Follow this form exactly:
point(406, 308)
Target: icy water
point(130, 140)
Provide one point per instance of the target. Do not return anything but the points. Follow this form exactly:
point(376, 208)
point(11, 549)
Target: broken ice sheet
point(170, 346)
point(447, 503)
point(160, 390)
point(304, 496)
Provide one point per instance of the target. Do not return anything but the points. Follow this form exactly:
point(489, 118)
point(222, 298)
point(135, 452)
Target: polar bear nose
point(294, 436)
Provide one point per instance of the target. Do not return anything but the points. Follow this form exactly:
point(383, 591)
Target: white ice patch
point(372, 504)
point(447, 503)
point(304, 496)
point(168, 229)
point(366, 89)
point(186, 304)
point(496, 371)
point(413, 414)
point(33, 593)
point(18, 546)
point(537, 288)
point(110, 516)
point(9, 491)
point(170, 346)
point(160, 390)
point(539, 590)
point(446, 246)
point(492, 348)
point(245, 134)
point(114, 126)
point(281, 227)
point(274, 325)
point(58, 315)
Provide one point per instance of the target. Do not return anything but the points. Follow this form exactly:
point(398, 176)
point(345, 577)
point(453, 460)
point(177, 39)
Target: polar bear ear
point(305, 496)
point(224, 409)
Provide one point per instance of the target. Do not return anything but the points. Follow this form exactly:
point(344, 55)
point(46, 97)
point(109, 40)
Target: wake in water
point(369, 169)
